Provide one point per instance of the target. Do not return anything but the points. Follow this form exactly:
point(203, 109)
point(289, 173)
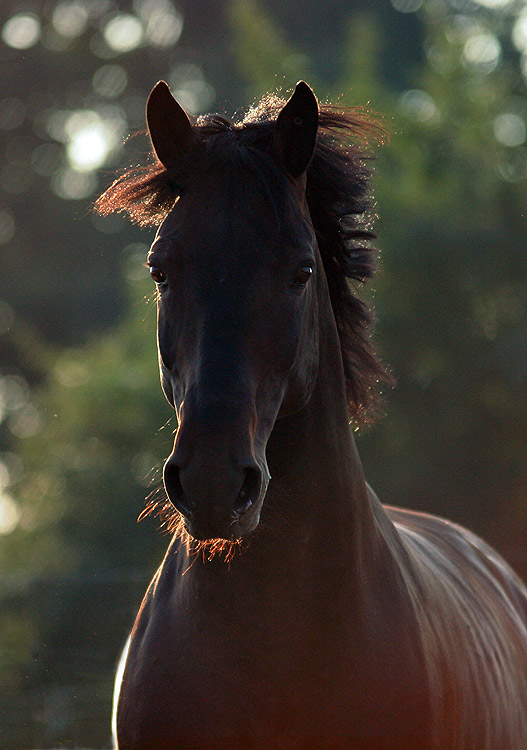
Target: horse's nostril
point(249, 491)
point(174, 489)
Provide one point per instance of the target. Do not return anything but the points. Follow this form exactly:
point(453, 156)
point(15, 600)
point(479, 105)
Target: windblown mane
point(338, 199)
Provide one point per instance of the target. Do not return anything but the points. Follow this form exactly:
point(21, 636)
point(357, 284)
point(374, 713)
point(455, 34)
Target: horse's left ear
point(295, 131)
point(169, 128)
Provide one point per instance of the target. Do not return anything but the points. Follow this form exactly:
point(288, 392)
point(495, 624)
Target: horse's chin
point(244, 527)
point(238, 530)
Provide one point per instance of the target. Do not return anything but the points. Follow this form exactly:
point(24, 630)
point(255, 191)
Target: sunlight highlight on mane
point(173, 523)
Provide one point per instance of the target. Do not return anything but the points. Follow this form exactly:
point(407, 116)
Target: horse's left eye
point(158, 275)
point(302, 276)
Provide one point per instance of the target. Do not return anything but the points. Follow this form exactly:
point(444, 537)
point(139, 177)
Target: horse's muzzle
point(216, 502)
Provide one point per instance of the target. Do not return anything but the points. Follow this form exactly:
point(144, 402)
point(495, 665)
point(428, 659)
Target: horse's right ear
point(169, 128)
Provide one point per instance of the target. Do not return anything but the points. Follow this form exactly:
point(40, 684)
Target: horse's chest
point(198, 686)
point(205, 688)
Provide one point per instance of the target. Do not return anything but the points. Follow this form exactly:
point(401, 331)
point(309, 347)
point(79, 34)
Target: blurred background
point(82, 418)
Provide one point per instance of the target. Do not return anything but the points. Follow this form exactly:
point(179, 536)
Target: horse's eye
point(158, 275)
point(302, 276)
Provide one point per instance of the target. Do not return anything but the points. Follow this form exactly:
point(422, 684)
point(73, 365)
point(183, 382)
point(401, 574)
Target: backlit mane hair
point(339, 202)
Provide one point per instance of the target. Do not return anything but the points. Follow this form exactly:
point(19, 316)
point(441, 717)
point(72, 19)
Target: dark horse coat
point(334, 622)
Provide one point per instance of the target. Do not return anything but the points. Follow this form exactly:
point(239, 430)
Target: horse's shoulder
point(452, 550)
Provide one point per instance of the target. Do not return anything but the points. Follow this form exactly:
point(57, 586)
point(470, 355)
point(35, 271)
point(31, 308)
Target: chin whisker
point(172, 522)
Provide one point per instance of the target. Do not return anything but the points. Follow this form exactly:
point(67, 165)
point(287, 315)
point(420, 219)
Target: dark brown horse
point(335, 623)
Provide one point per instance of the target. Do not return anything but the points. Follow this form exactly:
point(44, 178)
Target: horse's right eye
point(302, 276)
point(158, 275)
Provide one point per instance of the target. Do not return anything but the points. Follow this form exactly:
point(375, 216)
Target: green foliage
point(266, 54)
point(97, 446)
point(452, 301)
point(78, 563)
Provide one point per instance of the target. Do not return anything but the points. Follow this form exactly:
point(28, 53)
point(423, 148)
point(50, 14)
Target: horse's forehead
point(203, 228)
point(232, 214)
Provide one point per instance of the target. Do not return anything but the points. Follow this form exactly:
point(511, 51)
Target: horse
point(293, 613)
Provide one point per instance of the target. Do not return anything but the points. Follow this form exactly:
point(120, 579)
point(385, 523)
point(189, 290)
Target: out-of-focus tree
point(75, 77)
point(453, 296)
point(76, 564)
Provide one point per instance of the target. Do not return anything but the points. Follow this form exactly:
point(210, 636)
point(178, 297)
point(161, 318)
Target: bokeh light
point(519, 32)
point(110, 81)
point(509, 129)
point(26, 422)
point(4, 476)
point(135, 255)
point(163, 23)
point(9, 514)
point(69, 184)
point(419, 105)
point(512, 165)
point(495, 4)
point(21, 31)
point(123, 33)
point(482, 51)
point(7, 226)
point(144, 467)
point(71, 369)
point(77, 76)
point(88, 148)
point(70, 18)
point(190, 87)
point(14, 392)
point(90, 140)
point(11, 469)
point(55, 123)
point(90, 136)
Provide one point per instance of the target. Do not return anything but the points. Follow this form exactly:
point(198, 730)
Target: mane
point(339, 202)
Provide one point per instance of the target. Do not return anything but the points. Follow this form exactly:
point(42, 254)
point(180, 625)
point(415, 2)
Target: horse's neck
point(319, 555)
point(320, 495)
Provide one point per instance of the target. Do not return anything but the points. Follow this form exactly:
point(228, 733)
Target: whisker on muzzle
point(172, 522)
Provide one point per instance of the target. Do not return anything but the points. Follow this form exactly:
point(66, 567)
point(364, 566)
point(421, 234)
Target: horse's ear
point(295, 131)
point(169, 128)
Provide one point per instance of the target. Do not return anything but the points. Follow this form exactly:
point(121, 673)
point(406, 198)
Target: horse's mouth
point(238, 529)
point(242, 527)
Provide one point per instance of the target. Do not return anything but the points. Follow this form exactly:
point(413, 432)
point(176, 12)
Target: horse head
point(236, 266)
